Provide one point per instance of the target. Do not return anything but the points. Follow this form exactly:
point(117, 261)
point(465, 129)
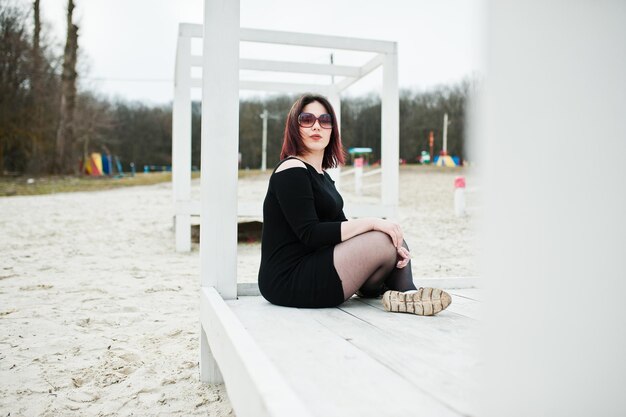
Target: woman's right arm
point(352, 228)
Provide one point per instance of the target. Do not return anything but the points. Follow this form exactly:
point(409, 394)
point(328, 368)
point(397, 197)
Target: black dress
point(302, 215)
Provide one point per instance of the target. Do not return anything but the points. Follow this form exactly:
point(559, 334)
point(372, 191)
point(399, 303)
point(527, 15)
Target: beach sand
point(99, 314)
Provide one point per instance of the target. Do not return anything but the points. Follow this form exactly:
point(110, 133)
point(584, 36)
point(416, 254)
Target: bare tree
point(64, 161)
point(37, 93)
point(14, 79)
point(93, 123)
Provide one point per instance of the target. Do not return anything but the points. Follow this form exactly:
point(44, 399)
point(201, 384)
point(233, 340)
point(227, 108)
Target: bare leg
point(364, 262)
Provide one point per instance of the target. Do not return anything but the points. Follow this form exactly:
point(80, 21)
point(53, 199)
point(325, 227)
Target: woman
point(311, 255)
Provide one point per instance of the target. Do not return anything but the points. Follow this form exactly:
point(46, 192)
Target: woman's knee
point(382, 242)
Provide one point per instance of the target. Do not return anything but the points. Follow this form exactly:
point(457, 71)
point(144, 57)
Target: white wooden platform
point(358, 360)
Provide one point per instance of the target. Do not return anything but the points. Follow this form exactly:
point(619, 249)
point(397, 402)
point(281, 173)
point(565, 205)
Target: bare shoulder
point(290, 163)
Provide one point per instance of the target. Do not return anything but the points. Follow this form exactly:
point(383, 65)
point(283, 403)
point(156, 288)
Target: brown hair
point(292, 141)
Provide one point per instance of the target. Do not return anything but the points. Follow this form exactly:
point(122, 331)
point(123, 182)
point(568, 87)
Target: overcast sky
point(128, 46)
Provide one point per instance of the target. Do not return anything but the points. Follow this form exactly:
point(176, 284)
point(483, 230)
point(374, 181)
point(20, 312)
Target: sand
point(99, 314)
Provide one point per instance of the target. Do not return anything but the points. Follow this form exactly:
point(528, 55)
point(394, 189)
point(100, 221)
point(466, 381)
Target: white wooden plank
point(331, 375)
point(296, 38)
point(476, 294)
point(248, 289)
point(424, 364)
point(466, 307)
point(447, 282)
point(316, 40)
point(448, 339)
point(454, 330)
point(255, 388)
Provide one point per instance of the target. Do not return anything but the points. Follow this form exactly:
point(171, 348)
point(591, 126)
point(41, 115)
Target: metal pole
point(264, 116)
point(445, 133)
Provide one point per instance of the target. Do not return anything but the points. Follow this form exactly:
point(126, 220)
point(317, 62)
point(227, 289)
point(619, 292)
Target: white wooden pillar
point(220, 131)
point(555, 242)
point(209, 370)
point(390, 132)
point(181, 144)
point(335, 101)
point(219, 159)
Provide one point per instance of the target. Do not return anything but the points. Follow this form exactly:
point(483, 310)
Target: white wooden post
point(358, 175)
point(390, 140)
point(219, 159)
point(209, 370)
point(335, 101)
point(553, 251)
point(181, 143)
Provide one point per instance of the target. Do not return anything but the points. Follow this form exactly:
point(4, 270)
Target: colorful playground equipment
point(424, 158)
point(363, 153)
point(97, 165)
point(447, 161)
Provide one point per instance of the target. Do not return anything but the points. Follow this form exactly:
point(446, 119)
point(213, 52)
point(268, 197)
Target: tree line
point(48, 125)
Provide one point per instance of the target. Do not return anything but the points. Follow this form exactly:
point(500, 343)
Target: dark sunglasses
point(308, 120)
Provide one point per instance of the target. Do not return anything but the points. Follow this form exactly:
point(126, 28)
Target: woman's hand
point(392, 229)
point(404, 256)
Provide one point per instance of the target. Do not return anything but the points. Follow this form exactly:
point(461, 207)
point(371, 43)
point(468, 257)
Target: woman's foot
point(371, 294)
point(423, 302)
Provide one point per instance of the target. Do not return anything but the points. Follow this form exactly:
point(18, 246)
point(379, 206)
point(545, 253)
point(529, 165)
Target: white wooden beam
point(252, 288)
point(273, 86)
point(301, 39)
point(191, 30)
point(369, 210)
point(181, 142)
point(255, 210)
point(316, 40)
point(299, 67)
point(255, 388)
point(219, 159)
point(283, 87)
point(192, 207)
point(390, 132)
point(368, 67)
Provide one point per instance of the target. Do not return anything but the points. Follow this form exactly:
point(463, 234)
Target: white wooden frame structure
point(227, 351)
point(386, 56)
